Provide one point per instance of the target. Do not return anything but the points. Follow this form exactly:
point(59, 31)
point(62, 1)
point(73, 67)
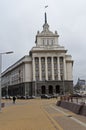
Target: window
point(52, 42)
point(55, 59)
point(49, 59)
point(36, 59)
point(47, 41)
point(61, 59)
point(43, 59)
point(43, 41)
point(61, 77)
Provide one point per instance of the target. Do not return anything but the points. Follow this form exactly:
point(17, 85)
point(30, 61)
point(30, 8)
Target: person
point(14, 99)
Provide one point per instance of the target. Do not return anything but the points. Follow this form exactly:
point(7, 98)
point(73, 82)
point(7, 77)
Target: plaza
point(39, 114)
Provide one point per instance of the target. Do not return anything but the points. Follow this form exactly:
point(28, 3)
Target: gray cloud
point(20, 20)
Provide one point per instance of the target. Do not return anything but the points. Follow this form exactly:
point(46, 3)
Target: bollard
point(2, 105)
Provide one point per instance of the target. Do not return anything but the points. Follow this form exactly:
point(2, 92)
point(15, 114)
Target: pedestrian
point(14, 99)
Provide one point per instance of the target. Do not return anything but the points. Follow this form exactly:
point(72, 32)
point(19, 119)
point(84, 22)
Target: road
point(39, 114)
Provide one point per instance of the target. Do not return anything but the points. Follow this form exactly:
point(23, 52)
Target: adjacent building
point(80, 86)
point(48, 69)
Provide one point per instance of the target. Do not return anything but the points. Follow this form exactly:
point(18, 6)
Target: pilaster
point(46, 68)
point(58, 62)
point(33, 61)
point(40, 72)
point(52, 68)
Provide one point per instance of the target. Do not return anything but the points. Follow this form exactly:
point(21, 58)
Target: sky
point(21, 19)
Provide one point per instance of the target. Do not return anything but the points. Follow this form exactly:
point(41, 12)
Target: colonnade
point(46, 68)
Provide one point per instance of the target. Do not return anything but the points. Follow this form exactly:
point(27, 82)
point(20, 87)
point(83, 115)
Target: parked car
point(76, 95)
point(22, 97)
point(45, 96)
point(25, 97)
point(3, 97)
point(7, 97)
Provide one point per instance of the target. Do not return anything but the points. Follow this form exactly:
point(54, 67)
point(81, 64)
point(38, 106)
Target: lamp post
point(63, 85)
point(35, 89)
point(9, 52)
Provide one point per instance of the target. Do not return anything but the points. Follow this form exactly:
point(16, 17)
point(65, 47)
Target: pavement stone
point(37, 114)
point(24, 115)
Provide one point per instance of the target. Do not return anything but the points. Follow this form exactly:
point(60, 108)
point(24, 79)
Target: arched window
point(57, 89)
point(50, 89)
point(43, 90)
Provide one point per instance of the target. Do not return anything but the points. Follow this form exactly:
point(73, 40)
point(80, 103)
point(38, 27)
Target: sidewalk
point(24, 115)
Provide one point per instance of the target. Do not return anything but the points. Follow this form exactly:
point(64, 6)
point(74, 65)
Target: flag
point(46, 6)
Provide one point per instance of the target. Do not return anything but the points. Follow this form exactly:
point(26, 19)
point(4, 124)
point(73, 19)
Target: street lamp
point(63, 86)
point(35, 89)
point(9, 52)
point(63, 83)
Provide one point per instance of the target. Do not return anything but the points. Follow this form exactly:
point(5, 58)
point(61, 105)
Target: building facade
point(80, 87)
point(48, 69)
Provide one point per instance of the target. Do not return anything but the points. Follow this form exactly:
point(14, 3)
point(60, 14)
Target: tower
point(51, 65)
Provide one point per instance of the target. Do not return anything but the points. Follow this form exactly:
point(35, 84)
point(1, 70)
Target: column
point(33, 68)
point(59, 78)
point(40, 72)
point(64, 75)
point(46, 69)
point(64, 67)
point(52, 68)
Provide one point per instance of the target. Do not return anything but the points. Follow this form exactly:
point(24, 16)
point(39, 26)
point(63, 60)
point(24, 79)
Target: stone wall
point(74, 107)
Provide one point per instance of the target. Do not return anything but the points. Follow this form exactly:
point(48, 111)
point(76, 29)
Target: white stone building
point(48, 69)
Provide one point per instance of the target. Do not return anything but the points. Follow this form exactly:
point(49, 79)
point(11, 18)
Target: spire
point(45, 18)
point(46, 14)
point(45, 26)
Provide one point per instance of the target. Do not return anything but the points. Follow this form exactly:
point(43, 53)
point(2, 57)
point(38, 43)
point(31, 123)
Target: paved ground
point(37, 114)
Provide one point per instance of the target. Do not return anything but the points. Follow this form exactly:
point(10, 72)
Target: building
point(80, 86)
point(48, 69)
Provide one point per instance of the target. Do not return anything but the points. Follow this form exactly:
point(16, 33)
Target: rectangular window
point(43, 42)
point(47, 41)
point(52, 42)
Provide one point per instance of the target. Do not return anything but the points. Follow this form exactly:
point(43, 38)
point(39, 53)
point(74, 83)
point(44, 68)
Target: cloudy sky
point(21, 19)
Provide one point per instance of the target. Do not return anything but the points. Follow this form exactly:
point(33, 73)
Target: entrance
point(43, 89)
point(57, 89)
point(50, 89)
